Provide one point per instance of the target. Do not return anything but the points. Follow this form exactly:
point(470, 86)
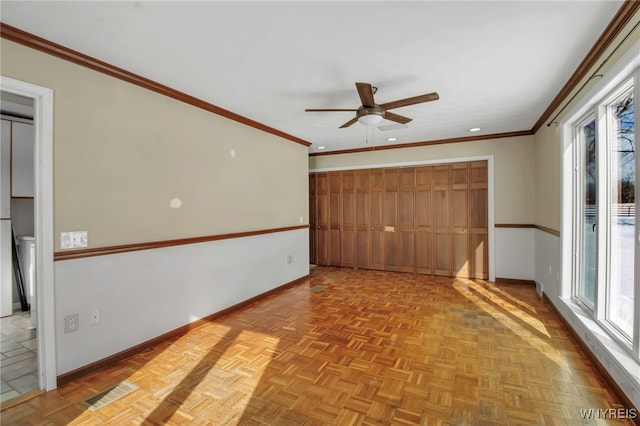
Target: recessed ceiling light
point(321, 147)
point(391, 139)
point(475, 129)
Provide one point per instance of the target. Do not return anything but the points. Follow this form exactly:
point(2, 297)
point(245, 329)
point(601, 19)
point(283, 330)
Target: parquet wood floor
point(371, 348)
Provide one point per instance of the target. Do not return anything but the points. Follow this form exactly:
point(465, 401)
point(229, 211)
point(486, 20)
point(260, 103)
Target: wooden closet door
point(424, 221)
point(459, 219)
point(362, 221)
point(347, 225)
point(406, 220)
point(335, 217)
point(312, 219)
point(376, 235)
point(390, 218)
point(442, 237)
point(479, 220)
point(322, 218)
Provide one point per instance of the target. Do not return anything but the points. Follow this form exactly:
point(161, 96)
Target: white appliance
point(27, 253)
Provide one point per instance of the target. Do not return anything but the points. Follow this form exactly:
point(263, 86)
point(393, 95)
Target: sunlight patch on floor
point(236, 374)
point(475, 293)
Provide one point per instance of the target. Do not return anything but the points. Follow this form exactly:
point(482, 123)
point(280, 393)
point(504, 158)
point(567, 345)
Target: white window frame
point(577, 156)
point(604, 134)
point(594, 104)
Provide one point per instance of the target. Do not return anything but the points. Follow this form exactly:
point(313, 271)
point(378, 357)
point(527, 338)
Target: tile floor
point(18, 356)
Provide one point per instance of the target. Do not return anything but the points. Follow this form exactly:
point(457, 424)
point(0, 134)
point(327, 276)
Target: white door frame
point(43, 226)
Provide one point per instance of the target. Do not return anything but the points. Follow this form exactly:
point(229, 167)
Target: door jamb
point(43, 223)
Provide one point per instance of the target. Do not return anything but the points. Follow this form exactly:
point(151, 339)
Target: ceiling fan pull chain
point(366, 129)
point(373, 136)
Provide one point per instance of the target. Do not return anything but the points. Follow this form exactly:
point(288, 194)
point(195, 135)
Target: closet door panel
point(479, 220)
point(362, 221)
point(459, 219)
point(376, 199)
point(322, 218)
point(348, 226)
point(390, 217)
point(424, 220)
point(479, 256)
point(442, 243)
point(442, 256)
point(335, 213)
point(460, 255)
point(406, 220)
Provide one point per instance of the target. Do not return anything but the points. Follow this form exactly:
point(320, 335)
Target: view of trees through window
point(622, 177)
point(624, 113)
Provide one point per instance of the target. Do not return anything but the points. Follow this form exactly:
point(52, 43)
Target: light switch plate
point(73, 239)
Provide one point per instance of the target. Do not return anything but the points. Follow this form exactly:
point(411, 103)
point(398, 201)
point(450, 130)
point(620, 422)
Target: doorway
point(18, 325)
point(43, 303)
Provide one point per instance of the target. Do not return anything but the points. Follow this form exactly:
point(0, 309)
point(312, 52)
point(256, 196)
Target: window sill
point(612, 356)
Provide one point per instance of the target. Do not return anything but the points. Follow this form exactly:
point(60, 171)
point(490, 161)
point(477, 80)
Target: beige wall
point(121, 153)
point(513, 162)
point(548, 177)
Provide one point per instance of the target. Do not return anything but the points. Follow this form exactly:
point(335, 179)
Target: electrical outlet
point(71, 323)
point(289, 259)
point(95, 316)
point(73, 239)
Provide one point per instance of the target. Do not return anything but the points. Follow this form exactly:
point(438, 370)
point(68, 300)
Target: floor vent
point(109, 395)
point(318, 288)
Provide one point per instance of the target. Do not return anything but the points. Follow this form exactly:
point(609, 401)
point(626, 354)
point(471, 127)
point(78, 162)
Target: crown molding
point(622, 17)
point(617, 24)
point(38, 43)
point(427, 143)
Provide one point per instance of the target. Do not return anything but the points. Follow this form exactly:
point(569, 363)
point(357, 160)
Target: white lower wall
point(612, 356)
point(547, 262)
point(515, 253)
point(144, 294)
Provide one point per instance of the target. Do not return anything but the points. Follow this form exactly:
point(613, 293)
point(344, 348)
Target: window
point(603, 200)
point(586, 282)
point(620, 211)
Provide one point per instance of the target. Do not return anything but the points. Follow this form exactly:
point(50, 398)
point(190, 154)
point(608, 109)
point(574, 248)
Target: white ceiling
point(495, 65)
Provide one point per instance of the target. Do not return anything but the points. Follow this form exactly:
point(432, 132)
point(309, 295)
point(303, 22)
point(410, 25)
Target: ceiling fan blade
point(366, 94)
point(411, 101)
point(327, 109)
point(349, 123)
point(396, 117)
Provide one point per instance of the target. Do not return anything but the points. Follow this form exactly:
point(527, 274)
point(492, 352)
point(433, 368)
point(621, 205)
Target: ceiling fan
point(370, 113)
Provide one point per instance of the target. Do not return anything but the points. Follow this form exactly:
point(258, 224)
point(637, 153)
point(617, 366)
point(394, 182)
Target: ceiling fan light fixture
point(370, 116)
point(370, 120)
